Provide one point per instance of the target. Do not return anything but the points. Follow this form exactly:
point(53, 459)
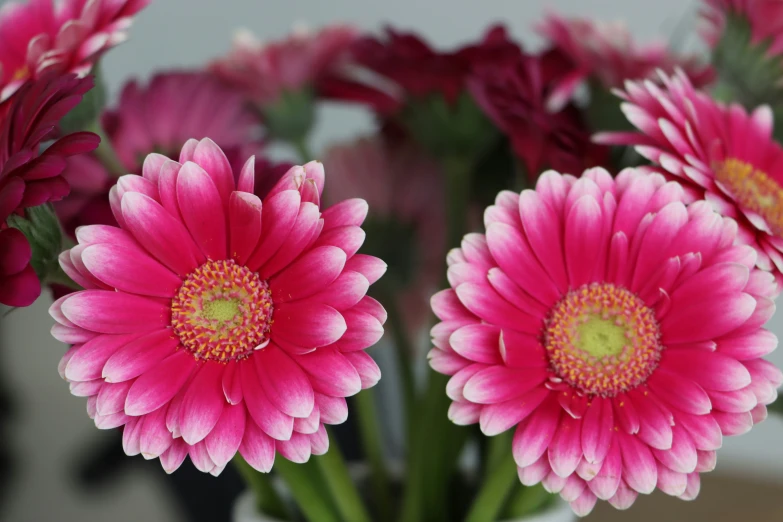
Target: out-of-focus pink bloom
point(29, 177)
point(617, 330)
point(418, 70)
point(159, 118)
point(263, 72)
point(606, 52)
point(62, 36)
point(403, 188)
point(514, 95)
point(214, 322)
point(719, 152)
point(765, 18)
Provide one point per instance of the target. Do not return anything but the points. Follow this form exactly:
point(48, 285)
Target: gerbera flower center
point(21, 73)
point(602, 339)
point(754, 189)
point(222, 312)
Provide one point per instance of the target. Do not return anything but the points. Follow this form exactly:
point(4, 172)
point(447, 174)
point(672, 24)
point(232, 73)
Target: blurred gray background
point(51, 426)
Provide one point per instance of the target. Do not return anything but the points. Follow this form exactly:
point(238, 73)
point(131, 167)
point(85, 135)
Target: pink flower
point(606, 52)
point(65, 36)
point(213, 322)
point(764, 16)
point(399, 182)
point(720, 153)
point(160, 117)
point(265, 71)
point(619, 332)
point(28, 177)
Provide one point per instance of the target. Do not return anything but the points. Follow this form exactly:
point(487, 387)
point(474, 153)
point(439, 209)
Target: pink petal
point(202, 210)
point(164, 237)
point(130, 270)
point(532, 437)
point(366, 367)
point(370, 267)
point(565, 450)
point(86, 363)
point(499, 383)
point(296, 449)
point(284, 382)
point(334, 410)
point(224, 440)
point(497, 418)
point(597, 430)
point(270, 419)
point(308, 325)
point(155, 438)
point(309, 274)
point(363, 331)
point(244, 217)
point(639, 468)
point(331, 373)
point(159, 385)
point(212, 159)
point(138, 355)
point(478, 342)
point(114, 312)
point(203, 402)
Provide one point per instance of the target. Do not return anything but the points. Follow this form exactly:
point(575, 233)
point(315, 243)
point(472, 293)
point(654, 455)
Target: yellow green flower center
point(222, 312)
point(602, 339)
point(754, 190)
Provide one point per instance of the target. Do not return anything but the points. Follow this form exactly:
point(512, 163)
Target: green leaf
point(747, 72)
point(449, 130)
point(89, 109)
point(42, 230)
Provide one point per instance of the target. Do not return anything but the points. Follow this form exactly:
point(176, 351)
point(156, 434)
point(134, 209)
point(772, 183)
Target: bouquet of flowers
point(597, 227)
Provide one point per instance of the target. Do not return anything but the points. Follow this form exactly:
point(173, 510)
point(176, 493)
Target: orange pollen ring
point(753, 189)
point(602, 339)
point(222, 312)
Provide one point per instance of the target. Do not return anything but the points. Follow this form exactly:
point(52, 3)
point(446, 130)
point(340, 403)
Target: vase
point(245, 511)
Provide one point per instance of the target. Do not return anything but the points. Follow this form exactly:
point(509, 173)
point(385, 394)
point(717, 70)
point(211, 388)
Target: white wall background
point(51, 424)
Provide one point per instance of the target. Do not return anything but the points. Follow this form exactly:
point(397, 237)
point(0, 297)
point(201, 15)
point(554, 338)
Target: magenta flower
point(398, 181)
point(719, 153)
point(213, 322)
point(160, 117)
point(65, 36)
point(265, 71)
point(619, 331)
point(514, 95)
point(28, 177)
point(764, 16)
point(606, 52)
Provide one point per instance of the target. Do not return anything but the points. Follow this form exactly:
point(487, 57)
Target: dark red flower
point(29, 178)
point(514, 95)
point(411, 68)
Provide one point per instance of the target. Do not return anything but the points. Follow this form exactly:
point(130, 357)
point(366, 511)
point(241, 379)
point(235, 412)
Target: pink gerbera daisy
point(720, 153)
point(28, 177)
point(159, 118)
point(606, 52)
point(398, 180)
point(214, 323)
point(619, 332)
point(67, 35)
point(264, 72)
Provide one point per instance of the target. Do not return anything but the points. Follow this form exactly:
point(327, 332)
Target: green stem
point(308, 489)
point(436, 447)
point(302, 149)
point(403, 351)
point(268, 501)
point(339, 484)
point(105, 151)
point(372, 440)
point(457, 182)
point(499, 480)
